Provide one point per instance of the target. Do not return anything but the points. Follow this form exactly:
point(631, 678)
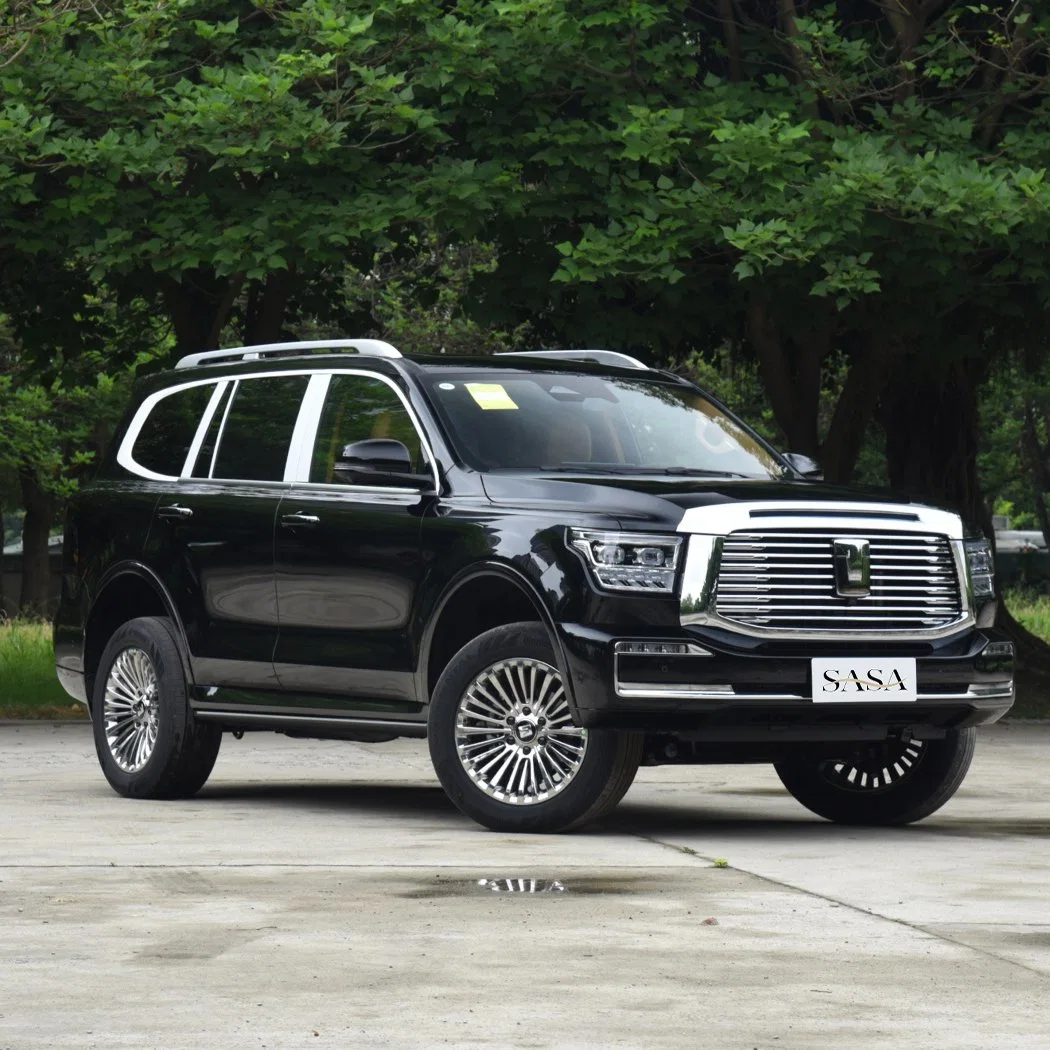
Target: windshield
point(594, 424)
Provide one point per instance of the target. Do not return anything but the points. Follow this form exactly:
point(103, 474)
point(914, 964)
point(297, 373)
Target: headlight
point(629, 561)
point(981, 567)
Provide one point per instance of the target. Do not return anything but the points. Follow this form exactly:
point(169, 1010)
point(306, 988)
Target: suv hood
point(660, 502)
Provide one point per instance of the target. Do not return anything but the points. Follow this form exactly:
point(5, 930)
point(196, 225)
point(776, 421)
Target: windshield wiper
point(701, 472)
point(627, 469)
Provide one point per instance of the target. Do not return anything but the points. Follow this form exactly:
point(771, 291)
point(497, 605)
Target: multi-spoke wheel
point(148, 744)
point(504, 744)
point(891, 782)
point(129, 709)
point(515, 735)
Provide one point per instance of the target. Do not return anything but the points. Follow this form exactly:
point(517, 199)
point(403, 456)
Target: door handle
point(300, 519)
point(175, 511)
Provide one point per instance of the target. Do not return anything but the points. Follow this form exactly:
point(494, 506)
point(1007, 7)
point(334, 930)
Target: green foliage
point(28, 687)
point(1032, 610)
point(417, 295)
point(1014, 462)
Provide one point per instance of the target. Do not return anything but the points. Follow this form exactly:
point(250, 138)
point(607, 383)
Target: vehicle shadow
point(408, 801)
point(654, 821)
point(383, 799)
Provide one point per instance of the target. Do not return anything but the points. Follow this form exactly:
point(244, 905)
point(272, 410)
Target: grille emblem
point(852, 568)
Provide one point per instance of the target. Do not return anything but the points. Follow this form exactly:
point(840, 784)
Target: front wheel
point(891, 782)
point(504, 744)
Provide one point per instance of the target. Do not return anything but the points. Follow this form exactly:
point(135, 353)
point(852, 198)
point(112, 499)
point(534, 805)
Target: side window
point(258, 428)
point(355, 409)
point(166, 435)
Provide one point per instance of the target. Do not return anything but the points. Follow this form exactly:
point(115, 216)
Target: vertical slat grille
point(786, 580)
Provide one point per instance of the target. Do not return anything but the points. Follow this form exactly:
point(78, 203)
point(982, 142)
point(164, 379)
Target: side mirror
point(808, 468)
point(377, 461)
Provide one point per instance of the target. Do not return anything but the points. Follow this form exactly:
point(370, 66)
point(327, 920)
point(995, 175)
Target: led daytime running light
point(629, 561)
point(980, 564)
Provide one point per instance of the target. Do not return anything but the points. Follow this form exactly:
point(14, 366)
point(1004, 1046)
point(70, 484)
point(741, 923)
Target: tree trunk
point(868, 373)
point(40, 505)
point(267, 302)
point(791, 381)
point(931, 436)
point(199, 306)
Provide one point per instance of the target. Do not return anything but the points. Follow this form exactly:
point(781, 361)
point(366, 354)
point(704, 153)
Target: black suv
point(555, 566)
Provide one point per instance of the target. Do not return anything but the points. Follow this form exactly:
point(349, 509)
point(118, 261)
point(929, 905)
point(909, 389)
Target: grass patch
point(1032, 611)
point(28, 686)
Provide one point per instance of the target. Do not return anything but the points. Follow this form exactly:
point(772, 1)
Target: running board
point(316, 724)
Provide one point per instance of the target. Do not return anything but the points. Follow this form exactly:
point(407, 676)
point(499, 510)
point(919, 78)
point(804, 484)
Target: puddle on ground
point(583, 886)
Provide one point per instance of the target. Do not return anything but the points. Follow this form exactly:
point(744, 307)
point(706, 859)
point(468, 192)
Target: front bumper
point(749, 689)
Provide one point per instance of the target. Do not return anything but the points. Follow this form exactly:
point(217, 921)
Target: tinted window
point(594, 424)
point(258, 429)
point(166, 436)
point(357, 408)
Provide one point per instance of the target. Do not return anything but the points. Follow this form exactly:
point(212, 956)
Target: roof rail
point(600, 357)
point(365, 347)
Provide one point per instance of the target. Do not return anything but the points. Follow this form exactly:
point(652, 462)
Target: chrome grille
point(785, 580)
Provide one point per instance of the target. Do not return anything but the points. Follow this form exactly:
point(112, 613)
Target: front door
point(348, 559)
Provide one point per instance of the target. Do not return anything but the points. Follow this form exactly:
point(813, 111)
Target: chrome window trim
point(305, 433)
point(222, 428)
point(707, 527)
point(302, 454)
point(202, 428)
point(125, 458)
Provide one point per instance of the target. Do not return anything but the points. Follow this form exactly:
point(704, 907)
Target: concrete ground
point(322, 894)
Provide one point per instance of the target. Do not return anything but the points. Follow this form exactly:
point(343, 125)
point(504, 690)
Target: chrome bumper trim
point(656, 691)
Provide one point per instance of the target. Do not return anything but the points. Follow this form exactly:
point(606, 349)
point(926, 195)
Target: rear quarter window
point(164, 439)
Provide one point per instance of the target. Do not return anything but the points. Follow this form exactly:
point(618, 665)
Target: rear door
point(213, 537)
point(348, 555)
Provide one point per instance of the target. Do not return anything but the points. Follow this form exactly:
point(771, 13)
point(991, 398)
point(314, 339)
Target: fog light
point(998, 650)
point(660, 649)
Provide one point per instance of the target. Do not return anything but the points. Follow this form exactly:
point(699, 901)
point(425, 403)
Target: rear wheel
point(891, 782)
point(504, 745)
point(147, 741)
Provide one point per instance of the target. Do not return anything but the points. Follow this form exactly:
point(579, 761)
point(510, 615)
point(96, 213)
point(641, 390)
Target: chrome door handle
point(300, 519)
point(174, 511)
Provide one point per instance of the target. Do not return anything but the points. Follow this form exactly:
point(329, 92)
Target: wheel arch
point(126, 592)
point(475, 601)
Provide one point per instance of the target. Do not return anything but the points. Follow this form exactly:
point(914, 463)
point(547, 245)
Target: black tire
point(601, 778)
point(932, 773)
point(184, 751)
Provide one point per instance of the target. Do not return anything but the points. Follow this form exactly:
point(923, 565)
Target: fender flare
point(510, 575)
point(144, 573)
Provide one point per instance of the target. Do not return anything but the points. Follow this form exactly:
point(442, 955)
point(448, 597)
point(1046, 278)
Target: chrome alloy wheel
point(514, 733)
point(129, 709)
point(875, 768)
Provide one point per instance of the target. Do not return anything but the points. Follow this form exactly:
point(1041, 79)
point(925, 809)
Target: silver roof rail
point(599, 357)
point(365, 347)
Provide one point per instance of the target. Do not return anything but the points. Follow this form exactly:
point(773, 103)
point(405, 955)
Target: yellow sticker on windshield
point(490, 395)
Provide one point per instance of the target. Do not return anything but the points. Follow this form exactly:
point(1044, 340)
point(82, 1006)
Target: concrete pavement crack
point(688, 851)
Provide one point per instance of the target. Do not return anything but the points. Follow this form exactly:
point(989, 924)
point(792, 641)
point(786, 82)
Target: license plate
point(864, 680)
